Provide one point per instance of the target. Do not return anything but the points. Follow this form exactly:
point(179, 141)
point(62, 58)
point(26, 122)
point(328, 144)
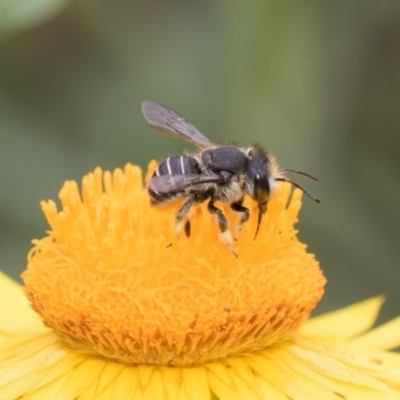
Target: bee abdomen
point(178, 165)
point(175, 165)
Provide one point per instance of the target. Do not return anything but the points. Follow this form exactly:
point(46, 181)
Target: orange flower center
point(112, 279)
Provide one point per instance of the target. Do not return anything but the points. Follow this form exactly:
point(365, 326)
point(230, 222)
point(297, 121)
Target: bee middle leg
point(181, 220)
point(245, 214)
point(225, 234)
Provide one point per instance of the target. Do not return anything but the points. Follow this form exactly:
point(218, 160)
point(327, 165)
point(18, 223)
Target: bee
point(217, 173)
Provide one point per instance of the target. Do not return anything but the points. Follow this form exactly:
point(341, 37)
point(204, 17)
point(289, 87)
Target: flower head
point(134, 297)
point(136, 313)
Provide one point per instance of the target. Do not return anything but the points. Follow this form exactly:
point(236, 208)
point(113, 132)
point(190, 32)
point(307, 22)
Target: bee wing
point(168, 122)
point(174, 183)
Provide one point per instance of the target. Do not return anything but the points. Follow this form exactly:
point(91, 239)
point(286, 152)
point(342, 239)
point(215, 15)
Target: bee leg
point(225, 234)
point(181, 216)
point(237, 207)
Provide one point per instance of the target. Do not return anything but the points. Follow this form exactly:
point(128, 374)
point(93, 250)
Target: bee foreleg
point(245, 214)
point(225, 234)
point(181, 216)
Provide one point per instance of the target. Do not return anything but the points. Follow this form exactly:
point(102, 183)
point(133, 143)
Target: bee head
point(264, 174)
point(258, 178)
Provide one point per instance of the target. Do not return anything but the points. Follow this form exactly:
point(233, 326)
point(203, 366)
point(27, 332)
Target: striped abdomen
point(175, 165)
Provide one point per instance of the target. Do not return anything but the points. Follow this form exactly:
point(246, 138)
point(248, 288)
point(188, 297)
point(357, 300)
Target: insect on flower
point(224, 173)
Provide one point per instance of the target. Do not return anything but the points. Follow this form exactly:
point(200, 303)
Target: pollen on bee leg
point(244, 217)
point(237, 230)
point(179, 226)
point(227, 239)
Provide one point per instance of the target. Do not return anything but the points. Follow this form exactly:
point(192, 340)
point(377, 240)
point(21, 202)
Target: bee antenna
point(294, 171)
point(302, 188)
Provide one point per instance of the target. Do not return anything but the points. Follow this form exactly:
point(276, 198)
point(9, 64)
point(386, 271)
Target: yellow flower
point(132, 312)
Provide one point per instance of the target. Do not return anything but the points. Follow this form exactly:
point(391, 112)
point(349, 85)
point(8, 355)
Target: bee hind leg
point(225, 235)
point(245, 214)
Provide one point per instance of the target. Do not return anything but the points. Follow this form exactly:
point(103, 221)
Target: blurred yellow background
point(317, 82)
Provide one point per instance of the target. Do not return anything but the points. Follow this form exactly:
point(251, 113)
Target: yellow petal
point(172, 378)
point(285, 356)
point(326, 364)
point(67, 379)
point(242, 369)
point(384, 337)
point(290, 382)
point(269, 391)
point(24, 364)
point(125, 386)
point(377, 366)
point(344, 324)
point(14, 390)
point(16, 315)
point(351, 392)
point(22, 372)
point(299, 379)
point(102, 389)
point(228, 384)
point(195, 383)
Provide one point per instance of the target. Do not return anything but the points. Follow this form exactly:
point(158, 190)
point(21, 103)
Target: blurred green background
point(318, 82)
